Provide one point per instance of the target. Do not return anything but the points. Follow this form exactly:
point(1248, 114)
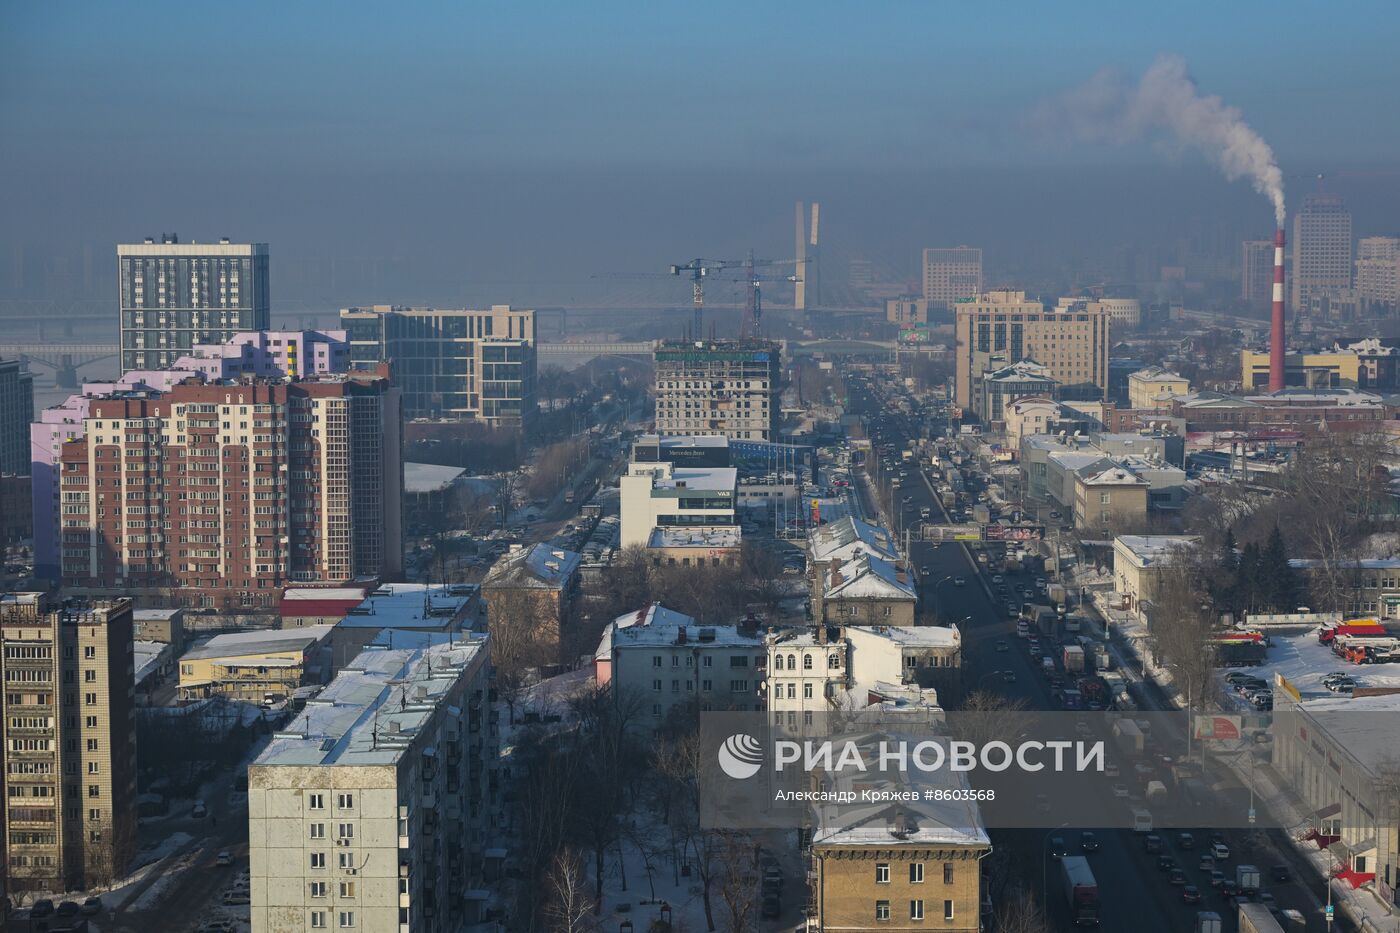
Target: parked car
point(224, 859)
point(41, 909)
point(67, 909)
point(91, 907)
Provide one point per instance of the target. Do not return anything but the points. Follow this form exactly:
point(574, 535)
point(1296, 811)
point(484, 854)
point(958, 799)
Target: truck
point(1156, 791)
point(1208, 921)
point(1257, 918)
point(1057, 593)
point(1247, 878)
point(1073, 699)
point(1129, 736)
point(1073, 659)
point(1103, 661)
point(1371, 627)
point(1081, 890)
point(1047, 664)
point(1073, 623)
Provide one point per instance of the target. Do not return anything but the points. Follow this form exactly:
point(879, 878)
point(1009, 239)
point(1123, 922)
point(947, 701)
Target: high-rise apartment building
point(219, 494)
point(725, 387)
point(1003, 327)
point(175, 295)
point(373, 809)
point(1321, 248)
point(452, 364)
point(1257, 273)
point(1378, 274)
point(16, 411)
point(951, 275)
point(70, 742)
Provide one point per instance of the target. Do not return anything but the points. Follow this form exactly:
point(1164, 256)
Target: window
point(656, 686)
point(656, 660)
point(345, 801)
point(916, 910)
point(318, 860)
point(882, 873)
point(806, 691)
point(89, 652)
point(708, 661)
point(318, 830)
point(92, 745)
point(346, 860)
point(90, 676)
point(347, 919)
point(94, 767)
point(806, 662)
point(347, 889)
point(94, 790)
point(95, 816)
point(916, 873)
point(318, 919)
point(316, 801)
point(882, 910)
point(345, 830)
point(318, 889)
point(833, 662)
point(948, 873)
point(947, 910)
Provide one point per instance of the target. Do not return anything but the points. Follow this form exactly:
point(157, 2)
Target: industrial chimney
point(1276, 327)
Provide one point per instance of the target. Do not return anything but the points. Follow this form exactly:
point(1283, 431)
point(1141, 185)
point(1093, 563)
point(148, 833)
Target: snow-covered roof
point(655, 614)
point(696, 536)
point(261, 642)
point(539, 566)
point(414, 606)
point(845, 536)
point(1018, 372)
point(1113, 476)
point(1156, 374)
point(148, 656)
point(1367, 563)
point(868, 576)
point(1371, 739)
point(373, 710)
point(420, 478)
point(1148, 550)
point(909, 636)
point(657, 625)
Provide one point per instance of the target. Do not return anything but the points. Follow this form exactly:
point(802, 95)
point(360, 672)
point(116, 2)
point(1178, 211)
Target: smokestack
point(1276, 327)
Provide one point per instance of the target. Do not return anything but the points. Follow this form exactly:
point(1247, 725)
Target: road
point(1134, 892)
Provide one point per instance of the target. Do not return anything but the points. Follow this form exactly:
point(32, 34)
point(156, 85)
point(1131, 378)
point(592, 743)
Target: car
point(42, 908)
point(1165, 862)
point(1206, 863)
point(997, 578)
point(1057, 847)
point(1185, 841)
point(1220, 851)
point(1120, 791)
point(91, 907)
point(67, 909)
point(199, 811)
point(1229, 889)
point(1152, 843)
point(1235, 677)
point(959, 581)
point(1008, 676)
point(1002, 645)
point(1088, 842)
point(1217, 878)
point(1012, 612)
point(772, 908)
point(1281, 874)
point(1191, 894)
point(1176, 876)
point(1268, 900)
point(924, 570)
point(224, 859)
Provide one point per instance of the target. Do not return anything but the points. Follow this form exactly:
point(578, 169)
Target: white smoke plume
point(1109, 108)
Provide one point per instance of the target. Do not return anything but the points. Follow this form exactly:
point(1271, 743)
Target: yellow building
point(1153, 388)
point(998, 328)
point(254, 665)
point(1112, 499)
point(1314, 370)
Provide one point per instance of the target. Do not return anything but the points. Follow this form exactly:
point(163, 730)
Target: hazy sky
point(511, 141)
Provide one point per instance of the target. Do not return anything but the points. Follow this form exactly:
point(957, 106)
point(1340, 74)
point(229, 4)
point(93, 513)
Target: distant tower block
point(799, 288)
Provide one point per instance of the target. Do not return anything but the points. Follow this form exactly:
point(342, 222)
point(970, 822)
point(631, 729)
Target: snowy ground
point(1303, 663)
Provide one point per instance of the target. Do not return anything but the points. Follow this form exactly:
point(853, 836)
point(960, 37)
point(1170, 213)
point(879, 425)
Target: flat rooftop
point(423, 478)
point(1149, 549)
point(726, 536)
point(413, 606)
point(375, 708)
point(263, 641)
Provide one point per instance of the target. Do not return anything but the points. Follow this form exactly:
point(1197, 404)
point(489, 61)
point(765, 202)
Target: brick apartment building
point(220, 494)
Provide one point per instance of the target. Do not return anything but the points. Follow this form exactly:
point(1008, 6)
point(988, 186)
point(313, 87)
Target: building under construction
point(725, 387)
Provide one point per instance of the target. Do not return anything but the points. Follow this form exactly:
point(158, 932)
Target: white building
point(828, 669)
point(664, 661)
point(663, 495)
point(371, 810)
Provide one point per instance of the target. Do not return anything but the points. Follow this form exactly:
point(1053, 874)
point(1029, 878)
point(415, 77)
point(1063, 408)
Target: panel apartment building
point(1322, 250)
point(452, 364)
point(175, 295)
point(16, 411)
point(724, 387)
point(70, 742)
point(373, 809)
point(220, 494)
point(1003, 327)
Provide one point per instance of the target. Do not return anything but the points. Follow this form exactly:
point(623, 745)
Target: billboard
point(1015, 532)
point(952, 532)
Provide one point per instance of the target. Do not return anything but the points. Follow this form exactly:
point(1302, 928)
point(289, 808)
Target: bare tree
point(1019, 913)
point(738, 880)
point(679, 760)
point(570, 903)
point(524, 636)
point(1181, 621)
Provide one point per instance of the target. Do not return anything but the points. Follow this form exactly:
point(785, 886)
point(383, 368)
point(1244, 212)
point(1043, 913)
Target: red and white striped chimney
point(1276, 328)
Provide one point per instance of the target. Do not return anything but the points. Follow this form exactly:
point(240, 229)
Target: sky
point(464, 144)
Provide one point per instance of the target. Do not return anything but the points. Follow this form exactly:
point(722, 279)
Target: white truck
point(1081, 890)
point(1247, 879)
point(1129, 736)
point(1208, 921)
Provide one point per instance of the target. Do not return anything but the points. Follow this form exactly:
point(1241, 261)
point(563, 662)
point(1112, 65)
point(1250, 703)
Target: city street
point(1132, 889)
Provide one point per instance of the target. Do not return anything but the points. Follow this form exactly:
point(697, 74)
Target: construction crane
point(697, 270)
